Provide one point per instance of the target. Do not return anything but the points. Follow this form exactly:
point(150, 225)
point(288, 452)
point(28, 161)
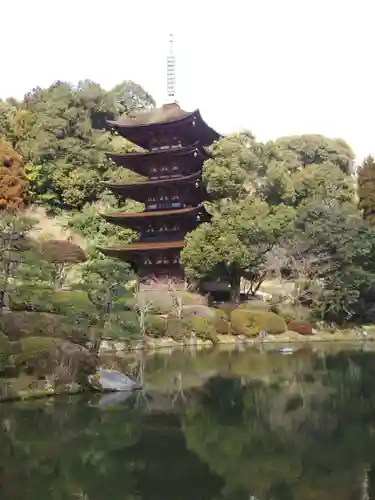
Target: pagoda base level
point(162, 278)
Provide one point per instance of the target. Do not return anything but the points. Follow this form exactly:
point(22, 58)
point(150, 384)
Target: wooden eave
point(136, 220)
point(124, 189)
point(141, 162)
point(142, 246)
point(190, 125)
point(150, 214)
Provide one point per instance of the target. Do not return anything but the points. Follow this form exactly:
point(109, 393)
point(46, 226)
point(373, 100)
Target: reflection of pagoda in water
point(174, 142)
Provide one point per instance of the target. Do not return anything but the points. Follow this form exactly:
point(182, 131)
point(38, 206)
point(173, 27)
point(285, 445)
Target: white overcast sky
point(275, 67)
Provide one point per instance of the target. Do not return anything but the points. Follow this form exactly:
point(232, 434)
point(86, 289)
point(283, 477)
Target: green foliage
point(233, 166)
point(88, 223)
point(155, 325)
point(335, 248)
point(38, 354)
point(204, 328)
point(366, 189)
point(15, 250)
point(250, 323)
point(197, 310)
point(52, 128)
point(300, 167)
point(21, 324)
point(255, 305)
point(5, 350)
point(221, 322)
point(237, 242)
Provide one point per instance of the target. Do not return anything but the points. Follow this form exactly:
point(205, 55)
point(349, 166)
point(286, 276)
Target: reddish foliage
point(301, 328)
point(13, 182)
point(62, 252)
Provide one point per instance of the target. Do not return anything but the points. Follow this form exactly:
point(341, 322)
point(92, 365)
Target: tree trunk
point(235, 285)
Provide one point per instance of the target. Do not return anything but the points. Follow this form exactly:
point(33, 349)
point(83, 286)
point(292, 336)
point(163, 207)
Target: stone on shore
point(105, 380)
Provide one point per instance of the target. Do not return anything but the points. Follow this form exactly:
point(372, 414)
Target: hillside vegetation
point(285, 211)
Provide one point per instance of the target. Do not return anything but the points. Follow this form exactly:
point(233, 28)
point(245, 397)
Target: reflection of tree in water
point(270, 427)
point(76, 450)
point(305, 436)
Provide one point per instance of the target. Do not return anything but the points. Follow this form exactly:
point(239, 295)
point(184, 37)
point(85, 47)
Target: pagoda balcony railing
point(163, 236)
point(167, 147)
point(175, 205)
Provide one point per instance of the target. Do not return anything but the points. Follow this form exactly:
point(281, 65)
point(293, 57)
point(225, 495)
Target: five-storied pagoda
point(174, 142)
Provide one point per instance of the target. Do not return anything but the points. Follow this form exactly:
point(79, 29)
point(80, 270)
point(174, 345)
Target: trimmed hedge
point(255, 305)
point(203, 328)
point(197, 310)
point(176, 329)
point(250, 323)
point(301, 328)
point(62, 302)
point(17, 325)
point(155, 326)
point(221, 322)
point(289, 313)
point(38, 354)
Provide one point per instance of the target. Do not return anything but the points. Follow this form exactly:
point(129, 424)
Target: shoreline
point(151, 344)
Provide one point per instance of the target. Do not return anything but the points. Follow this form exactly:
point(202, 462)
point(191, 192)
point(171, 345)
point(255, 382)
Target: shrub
point(250, 323)
point(64, 301)
point(228, 308)
point(5, 351)
point(255, 305)
point(177, 330)
point(301, 328)
point(221, 322)
point(197, 310)
point(38, 354)
point(17, 325)
point(203, 328)
point(192, 299)
point(155, 326)
point(292, 313)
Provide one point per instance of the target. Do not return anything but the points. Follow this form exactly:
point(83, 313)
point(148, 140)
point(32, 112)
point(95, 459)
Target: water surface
point(212, 425)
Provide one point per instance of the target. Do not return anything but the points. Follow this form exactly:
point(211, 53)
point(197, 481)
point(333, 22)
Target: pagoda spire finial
point(171, 73)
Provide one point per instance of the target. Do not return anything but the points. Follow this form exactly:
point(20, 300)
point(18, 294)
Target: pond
point(217, 424)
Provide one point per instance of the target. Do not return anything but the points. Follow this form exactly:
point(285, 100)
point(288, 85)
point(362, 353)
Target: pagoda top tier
point(164, 128)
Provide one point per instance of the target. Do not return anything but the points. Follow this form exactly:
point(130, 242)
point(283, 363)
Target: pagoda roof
point(141, 246)
point(165, 114)
point(162, 155)
point(134, 220)
point(141, 127)
point(129, 189)
point(141, 162)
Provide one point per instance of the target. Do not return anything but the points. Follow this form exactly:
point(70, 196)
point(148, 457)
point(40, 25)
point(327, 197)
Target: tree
point(106, 281)
point(15, 249)
point(66, 158)
point(366, 189)
point(61, 256)
point(88, 223)
point(130, 97)
point(13, 183)
point(306, 166)
point(340, 249)
point(233, 168)
point(236, 243)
